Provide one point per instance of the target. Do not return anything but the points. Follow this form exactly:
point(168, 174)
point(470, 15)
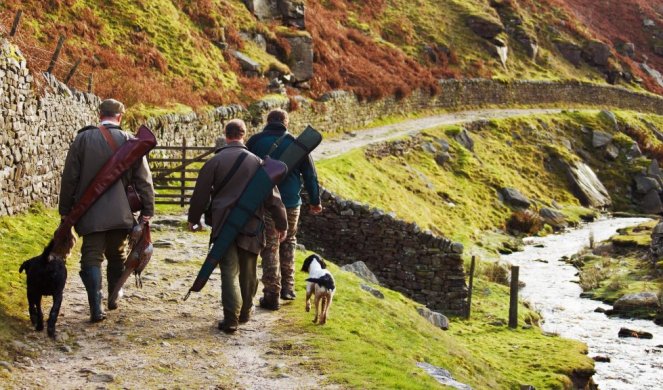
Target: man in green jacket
point(278, 258)
point(220, 184)
point(106, 225)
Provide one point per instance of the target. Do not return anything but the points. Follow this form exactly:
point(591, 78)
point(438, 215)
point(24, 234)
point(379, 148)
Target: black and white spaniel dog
point(321, 283)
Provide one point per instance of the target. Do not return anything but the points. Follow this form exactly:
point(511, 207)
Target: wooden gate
point(174, 172)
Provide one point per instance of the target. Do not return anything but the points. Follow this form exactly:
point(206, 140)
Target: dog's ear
point(307, 263)
point(322, 262)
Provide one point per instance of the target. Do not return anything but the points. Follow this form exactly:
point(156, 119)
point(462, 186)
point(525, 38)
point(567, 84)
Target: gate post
point(183, 173)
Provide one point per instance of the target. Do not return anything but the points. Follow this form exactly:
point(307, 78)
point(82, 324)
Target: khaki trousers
point(239, 282)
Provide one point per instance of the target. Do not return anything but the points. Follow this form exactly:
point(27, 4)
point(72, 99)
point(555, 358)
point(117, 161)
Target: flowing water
point(553, 289)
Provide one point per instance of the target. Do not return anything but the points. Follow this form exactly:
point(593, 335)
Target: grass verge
point(374, 343)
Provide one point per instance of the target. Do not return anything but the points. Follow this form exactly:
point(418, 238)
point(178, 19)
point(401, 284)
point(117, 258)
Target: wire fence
point(38, 57)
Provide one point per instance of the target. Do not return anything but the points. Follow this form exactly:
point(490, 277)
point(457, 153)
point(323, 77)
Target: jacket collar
point(234, 144)
point(275, 128)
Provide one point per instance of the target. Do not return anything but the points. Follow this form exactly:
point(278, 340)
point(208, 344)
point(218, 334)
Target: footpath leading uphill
point(155, 340)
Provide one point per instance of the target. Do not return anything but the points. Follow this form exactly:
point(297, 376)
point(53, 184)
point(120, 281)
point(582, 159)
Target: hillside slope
point(164, 52)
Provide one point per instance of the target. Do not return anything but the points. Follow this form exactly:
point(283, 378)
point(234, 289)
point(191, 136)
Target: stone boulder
point(610, 117)
point(625, 332)
point(644, 184)
point(514, 199)
point(611, 152)
point(651, 203)
point(263, 9)
point(596, 53)
point(587, 187)
point(464, 139)
point(360, 269)
point(636, 302)
point(484, 27)
point(373, 291)
point(553, 217)
point(600, 139)
point(300, 60)
point(656, 246)
point(290, 12)
point(248, 64)
point(435, 318)
point(626, 49)
point(653, 73)
point(442, 158)
point(571, 52)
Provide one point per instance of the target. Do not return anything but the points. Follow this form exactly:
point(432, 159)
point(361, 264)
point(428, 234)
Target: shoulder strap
point(230, 173)
point(109, 138)
point(276, 143)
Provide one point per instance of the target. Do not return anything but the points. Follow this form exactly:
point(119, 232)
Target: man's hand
point(145, 218)
point(315, 209)
point(195, 227)
point(282, 235)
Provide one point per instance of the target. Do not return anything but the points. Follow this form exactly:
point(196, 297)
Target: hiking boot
point(91, 277)
point(288, 295)
point(244, 317)
point(228, 326)
point(270, 302)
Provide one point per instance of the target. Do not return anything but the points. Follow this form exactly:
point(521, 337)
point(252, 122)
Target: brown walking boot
point(270, 302)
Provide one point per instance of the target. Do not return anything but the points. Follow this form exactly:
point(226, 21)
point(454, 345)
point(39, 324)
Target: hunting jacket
point(87, 154)
point(251, 238)
point(291, 186)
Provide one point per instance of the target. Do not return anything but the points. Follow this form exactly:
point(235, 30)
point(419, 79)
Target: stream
point(553, 290)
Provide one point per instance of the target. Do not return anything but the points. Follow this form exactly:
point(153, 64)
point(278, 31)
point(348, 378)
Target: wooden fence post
point(513, 298)
point(56, 55)
point(89, 83)
point(17, 20)
point(183, 173)
point(469, 292)
point(72, 71)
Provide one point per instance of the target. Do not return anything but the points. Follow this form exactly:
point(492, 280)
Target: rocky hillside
point(207, 52)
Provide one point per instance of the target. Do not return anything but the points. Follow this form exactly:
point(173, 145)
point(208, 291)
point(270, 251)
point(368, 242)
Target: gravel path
point(155, 340)
point(357, 139)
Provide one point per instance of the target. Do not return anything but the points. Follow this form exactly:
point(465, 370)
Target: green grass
point(371, 343)
point(21, 238)
point(626, 268)
point(459, 200)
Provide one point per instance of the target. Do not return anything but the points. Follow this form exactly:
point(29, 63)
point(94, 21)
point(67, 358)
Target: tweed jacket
point(251, 238)
point(87, 154)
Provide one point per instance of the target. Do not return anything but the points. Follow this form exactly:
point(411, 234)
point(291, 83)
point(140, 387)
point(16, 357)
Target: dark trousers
point(111, 244)
point(239, 282)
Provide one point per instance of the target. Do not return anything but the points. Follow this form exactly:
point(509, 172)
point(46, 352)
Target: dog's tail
point(25, 266)
point(325, 281)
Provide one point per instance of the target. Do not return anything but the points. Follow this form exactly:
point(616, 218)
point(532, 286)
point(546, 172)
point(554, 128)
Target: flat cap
point(111, 106)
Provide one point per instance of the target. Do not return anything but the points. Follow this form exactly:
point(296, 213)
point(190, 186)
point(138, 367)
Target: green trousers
point(239, 282)
point(111, 244)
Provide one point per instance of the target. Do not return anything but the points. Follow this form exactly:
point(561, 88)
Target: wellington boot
point(91, 277)
point(113, 274)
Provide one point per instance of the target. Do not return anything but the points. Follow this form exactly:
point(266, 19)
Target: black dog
point(47, 275)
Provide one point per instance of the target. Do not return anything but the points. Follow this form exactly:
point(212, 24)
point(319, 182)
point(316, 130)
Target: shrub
point(497, 272)
point(527, 222)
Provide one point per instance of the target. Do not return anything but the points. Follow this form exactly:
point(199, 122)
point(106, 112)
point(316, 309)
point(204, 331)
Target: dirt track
point(357, 139)
point(157, 341)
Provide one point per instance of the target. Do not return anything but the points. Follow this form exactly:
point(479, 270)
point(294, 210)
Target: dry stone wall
point(339, 111)
point(427, 268)
point(35, 132)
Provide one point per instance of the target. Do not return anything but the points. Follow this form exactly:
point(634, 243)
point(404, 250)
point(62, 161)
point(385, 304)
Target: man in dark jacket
point(219, 181)
point(106, 225)
point(278, 258)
